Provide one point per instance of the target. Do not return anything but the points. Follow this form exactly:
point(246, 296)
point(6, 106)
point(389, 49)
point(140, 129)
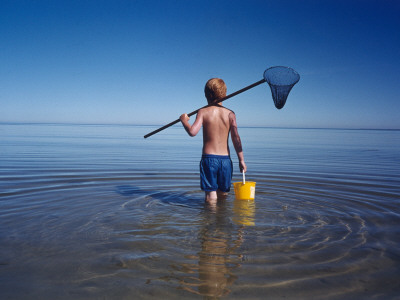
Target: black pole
point(195, 112)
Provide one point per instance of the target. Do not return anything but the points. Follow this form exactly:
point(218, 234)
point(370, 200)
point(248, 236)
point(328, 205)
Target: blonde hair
point(215, 89)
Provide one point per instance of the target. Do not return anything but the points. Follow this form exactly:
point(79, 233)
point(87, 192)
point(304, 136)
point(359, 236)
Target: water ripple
point(110, 225)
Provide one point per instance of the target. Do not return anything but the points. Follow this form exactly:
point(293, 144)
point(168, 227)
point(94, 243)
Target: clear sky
point(146, 62)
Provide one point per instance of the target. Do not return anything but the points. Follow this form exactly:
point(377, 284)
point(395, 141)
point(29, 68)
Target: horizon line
point(159, 125)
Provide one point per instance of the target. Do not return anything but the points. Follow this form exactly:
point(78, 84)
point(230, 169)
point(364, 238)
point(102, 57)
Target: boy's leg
point(208, 177)
point(224, 178)
point(211, 196)
point(214, 196)
point(221, 195)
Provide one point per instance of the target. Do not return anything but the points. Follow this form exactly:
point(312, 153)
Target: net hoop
point(281, 80)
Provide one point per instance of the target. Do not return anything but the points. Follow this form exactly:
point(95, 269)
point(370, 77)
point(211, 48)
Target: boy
point(217, 122)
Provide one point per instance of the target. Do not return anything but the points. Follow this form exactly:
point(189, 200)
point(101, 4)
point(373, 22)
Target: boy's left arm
point(237, 143)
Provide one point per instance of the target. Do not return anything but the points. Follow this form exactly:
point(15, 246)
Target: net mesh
point(281, 80)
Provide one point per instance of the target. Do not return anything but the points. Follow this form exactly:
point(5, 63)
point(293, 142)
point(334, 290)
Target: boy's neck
point(215, 103)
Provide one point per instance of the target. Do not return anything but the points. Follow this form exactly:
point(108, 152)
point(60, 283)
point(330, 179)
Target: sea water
point(99, 212)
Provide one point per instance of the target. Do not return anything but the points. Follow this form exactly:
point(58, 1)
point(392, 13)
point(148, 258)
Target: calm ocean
point(99, 212)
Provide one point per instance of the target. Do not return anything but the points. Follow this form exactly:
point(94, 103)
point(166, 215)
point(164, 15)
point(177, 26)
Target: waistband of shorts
point(215, 156)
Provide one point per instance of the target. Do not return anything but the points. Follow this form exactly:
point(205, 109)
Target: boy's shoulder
point(229, 110)
point(216, 106)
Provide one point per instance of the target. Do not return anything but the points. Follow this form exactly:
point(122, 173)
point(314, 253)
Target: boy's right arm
point(237, 143)
point(192, 130)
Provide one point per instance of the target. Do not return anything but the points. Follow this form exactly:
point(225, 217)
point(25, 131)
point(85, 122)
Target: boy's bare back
point(216, 127)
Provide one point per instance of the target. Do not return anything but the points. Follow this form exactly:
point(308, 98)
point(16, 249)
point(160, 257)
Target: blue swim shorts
point(215, 173)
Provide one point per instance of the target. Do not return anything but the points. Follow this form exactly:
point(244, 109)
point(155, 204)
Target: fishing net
point(281, 80)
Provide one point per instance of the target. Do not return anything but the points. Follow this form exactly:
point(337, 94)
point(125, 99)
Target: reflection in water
point(218, 257)
point(244, 211)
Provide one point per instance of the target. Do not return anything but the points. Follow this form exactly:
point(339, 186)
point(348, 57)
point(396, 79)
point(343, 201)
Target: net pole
point(195, 111)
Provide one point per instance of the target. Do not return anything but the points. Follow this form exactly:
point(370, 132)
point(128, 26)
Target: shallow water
point(96, 211)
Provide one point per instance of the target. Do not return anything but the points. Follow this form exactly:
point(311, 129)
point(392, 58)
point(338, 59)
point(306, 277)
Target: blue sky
point(146, 62)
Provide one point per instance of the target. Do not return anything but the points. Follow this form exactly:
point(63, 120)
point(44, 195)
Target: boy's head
point(215, 89)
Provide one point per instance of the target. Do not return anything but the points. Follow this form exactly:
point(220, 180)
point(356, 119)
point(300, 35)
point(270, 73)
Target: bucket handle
point(244, 179)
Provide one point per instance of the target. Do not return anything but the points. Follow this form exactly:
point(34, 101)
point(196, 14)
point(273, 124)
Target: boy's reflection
point(219, 254)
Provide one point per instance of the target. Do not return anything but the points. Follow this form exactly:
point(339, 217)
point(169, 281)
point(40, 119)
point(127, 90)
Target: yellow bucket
point(245, 191)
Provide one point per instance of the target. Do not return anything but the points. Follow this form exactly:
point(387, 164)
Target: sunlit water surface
point(98, 212)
